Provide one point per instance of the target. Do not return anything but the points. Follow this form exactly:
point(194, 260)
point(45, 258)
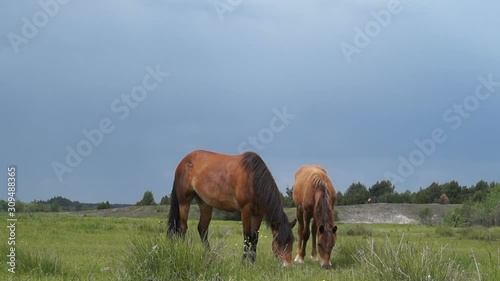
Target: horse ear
point(321, 229)
point(292, 223)
point(334, 229)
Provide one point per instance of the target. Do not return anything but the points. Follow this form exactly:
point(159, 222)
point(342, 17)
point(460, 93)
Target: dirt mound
point(130, 212)
point(391, 213)
point(365, 213)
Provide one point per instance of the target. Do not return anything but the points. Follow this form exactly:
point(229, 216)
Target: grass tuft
point(38, 263)
point(409, 261)
point(444, 231)
point(359, 230)
point(478, 233)
point(161, 258)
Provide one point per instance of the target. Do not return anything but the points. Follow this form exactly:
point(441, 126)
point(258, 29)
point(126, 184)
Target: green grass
point(357, 230)
point(54, 247)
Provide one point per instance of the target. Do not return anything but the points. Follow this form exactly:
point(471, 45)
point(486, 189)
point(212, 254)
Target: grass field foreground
point(55, 247)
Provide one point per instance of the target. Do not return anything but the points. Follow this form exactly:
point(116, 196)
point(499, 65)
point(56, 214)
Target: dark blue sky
point(350, 85)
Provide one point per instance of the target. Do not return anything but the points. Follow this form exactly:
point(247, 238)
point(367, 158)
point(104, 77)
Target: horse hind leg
point(184, 212)
point(205, 218)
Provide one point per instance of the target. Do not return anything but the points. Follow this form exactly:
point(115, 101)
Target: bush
point(485, 213)
point(455, 218)
point(425, 215)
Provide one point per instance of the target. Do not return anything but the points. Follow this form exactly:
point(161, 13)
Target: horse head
point(327, 237)
point(283, 250)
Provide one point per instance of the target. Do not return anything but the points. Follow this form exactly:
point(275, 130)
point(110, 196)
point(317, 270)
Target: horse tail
point(319, 183)
point(174, 216)
point(268, 196)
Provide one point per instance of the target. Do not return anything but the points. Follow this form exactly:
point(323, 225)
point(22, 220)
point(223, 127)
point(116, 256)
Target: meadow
point(68, 247)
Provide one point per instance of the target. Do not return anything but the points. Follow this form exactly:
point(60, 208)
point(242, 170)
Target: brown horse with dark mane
point(231, 183)
point(314, 196)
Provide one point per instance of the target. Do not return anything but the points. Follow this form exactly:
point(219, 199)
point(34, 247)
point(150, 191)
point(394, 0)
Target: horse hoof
point(298, 259)
point(325, 265)
point(284, 264)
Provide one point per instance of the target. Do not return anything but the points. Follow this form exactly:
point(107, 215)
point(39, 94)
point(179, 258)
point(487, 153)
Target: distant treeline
point(445, 193)
point(57, 204)
point(385, 192)
point(357, 193)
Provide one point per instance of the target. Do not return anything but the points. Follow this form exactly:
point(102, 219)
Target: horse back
point(214, 177)
point(309, 180)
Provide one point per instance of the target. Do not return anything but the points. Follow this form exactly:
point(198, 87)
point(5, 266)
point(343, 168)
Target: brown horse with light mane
point(231, 183)
point(314, 196)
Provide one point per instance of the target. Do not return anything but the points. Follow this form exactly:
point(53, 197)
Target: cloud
point(227, 76)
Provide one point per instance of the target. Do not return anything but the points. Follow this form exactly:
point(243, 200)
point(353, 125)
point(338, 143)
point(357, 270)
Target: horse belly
point(218, 196)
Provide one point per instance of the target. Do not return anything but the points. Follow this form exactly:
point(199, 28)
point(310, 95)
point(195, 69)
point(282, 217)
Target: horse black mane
point(268, 197)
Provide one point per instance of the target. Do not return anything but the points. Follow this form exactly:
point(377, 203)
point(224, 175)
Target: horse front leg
point(306, 233)
point(300, 220)
point(254, 236)
point(314, 232)
point(246, 221)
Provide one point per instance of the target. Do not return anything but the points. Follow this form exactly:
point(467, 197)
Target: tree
point(60, 201)
point(434, 192)
point(452, 190)
point(356, 193)
point(78, 206)
point(340, 199)
point(430, 194)
point(147, 199)
point(422, 197)
point(165, 200)
point(288, 199)
point(4, 205)
point(407, 197)
point(381, 188)
point(54, 207)
point(104, 205)
point(391, 198)
point(479, 191)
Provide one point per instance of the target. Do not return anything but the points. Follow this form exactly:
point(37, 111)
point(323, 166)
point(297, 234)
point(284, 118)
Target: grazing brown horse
point(314, 196)
point(231, 183)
